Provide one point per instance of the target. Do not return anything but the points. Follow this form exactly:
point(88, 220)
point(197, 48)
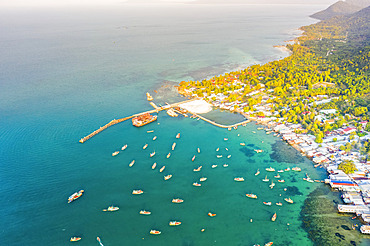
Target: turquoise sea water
point(66, 72)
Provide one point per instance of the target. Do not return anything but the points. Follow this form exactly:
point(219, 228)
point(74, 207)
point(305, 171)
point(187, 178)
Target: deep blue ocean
point(65, 72)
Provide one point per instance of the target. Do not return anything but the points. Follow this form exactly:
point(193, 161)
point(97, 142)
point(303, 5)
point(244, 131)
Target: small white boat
point(239, 179)
point(154, 165)
point(178, 135)
point(144, 212)
point(168, 155)
point(154, 138)
point(225, 139)
point(217, 149)
point(265, 179)
point(197, 169)
point(173, 146)
point(228, 156)
point(258, 172)
point(175, 223)
point(167, 177)
point(242, 144)
point(197, 184)
point(214, 166)
point(226, 165)
point(111, 209)
point(162, 168)
point(202, 179)
point(226, 149)
point(270, 169)
point(124, 147)
point(192, 159)
point(145, 146)
point(272, 184)
point(115, 153)
point(219, 156)
point(297, 169)
point(198, 150)
point(131, 163)
point(152, 154)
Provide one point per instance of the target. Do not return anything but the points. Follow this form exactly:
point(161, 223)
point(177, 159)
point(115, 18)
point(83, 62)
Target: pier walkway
point(114, 122)
point(220, 125)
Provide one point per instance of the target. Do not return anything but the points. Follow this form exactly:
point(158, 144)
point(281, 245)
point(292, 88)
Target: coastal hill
point(341, 8)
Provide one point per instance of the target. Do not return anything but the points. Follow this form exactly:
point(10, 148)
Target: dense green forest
point(331, 58)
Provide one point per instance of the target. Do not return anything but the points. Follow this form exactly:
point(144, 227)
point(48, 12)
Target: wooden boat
point(177, 200)
point(173, 146)
point(168, 177)
point(162, 168)
point(239, 179)
point(197, 169)
point(273, 217)
point(131, 163)
point(197, 184)
point(124, 147)
point(137, 192)
point(178, 135)
point(111, 209)
point(258, 172)
point(174, 223)
point(154, 165)
point(211, 214)
point(288, 200)
point(115, 153)
point(251, 196)
point(75, 196)
point(155, 232)
point(145, 146)
point(143, 212)
point(192, 159)
point(75, 239)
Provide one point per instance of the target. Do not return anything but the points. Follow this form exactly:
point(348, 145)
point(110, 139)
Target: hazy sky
point(109, 2)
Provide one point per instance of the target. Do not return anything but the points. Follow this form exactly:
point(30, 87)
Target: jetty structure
point(174, 108)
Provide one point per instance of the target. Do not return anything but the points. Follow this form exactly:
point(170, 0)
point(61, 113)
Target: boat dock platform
point(114, 122)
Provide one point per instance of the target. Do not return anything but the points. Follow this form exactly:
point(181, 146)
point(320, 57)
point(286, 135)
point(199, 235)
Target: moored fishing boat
point(280, 171)
point(265, 179)
point(288, 200)
point(226, 165)
point(277, 176)
point(272, 184)
point(273, 217)
point(145, 146)
point(131, 163)
point(197, 184)
point(258, 150)
point(192, 159)
point(297, 169)
point(154, 138)
point(214, 166)
point(111, 209)
point(155, 232)
point(177, 200)
point(144, 212)
point(219, 156)
point(270, 169)
point(287, 169)
point(197, 169)
point(115, 153)
point(137, 192)
point(258, 172)
point(167, 177)
point(225, 139)
point(75, 196)
point(279, 204)
point(124, 147)
point(269, 244)
point(143, 119)
point(202, 179)
point(98, 239)
point(242, 144)
point(211, 214)
point(168, 155)
point(178, 135)
point(75, 239)
point(239, 179)
point(217, 149)
point(174, 223)
point(228, 156)
point(154, 165)
point(173, 146)
point(267, 203)
point(162, 168)
point(152, 154)
point(198, 150)
point(251, 196)
point(281, 180)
